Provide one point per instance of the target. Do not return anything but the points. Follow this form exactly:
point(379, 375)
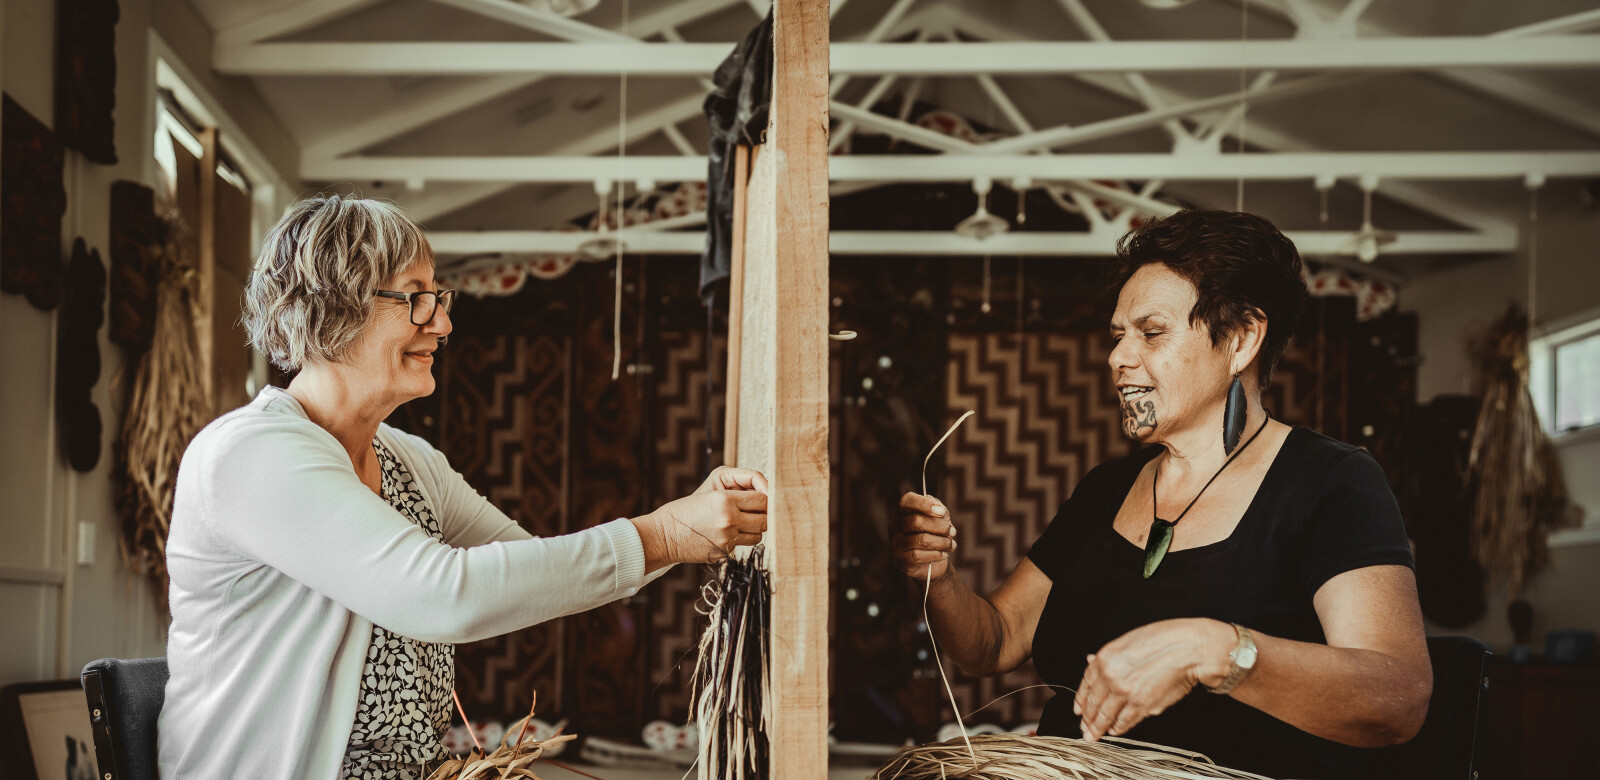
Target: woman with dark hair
point(1265, 563)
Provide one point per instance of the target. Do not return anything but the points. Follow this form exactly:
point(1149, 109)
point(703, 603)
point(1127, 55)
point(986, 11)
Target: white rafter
point(910, 59)
point(1274, 166)
point(552, 24)
point(1513, 89)
point(444, 100)
point(286, 20)
point(897, 22)
point(1439, 202)
point(1136, 81)
point(921, 243)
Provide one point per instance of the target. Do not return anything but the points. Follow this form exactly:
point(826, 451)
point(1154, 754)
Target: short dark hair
point(1240, 265)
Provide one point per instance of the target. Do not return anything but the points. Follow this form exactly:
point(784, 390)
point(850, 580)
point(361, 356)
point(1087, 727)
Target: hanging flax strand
point(1519, 493)
point(732, 678)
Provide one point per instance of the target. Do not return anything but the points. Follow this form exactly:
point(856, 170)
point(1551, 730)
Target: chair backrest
point(1451, 744)
point(124, 702)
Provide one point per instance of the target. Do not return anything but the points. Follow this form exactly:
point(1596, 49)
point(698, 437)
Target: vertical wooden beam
point(206, 270)
point(730, 424)
point(783, 380)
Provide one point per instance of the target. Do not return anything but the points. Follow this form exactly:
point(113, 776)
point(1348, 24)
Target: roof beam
point(359, 168)
point(922, 243)
point(1512, 89)
point(414, 112)
point(451, 198)
point(1278, 166)
point(287, 20)
point(1135, 81)
point(1442, 204)
point(551, 24)
point(446, 100)
point(913, 59)
point(1273, 166)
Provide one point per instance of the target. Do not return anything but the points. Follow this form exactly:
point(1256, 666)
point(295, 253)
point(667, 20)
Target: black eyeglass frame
point(441, 299)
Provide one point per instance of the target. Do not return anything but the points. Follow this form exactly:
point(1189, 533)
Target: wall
point(58, 614)
point(1454, 304)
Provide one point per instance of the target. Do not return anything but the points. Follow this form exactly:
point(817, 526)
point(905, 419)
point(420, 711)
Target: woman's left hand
point(1143, 672)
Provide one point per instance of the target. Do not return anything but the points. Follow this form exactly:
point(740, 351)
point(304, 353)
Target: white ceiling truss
point(1331, 48)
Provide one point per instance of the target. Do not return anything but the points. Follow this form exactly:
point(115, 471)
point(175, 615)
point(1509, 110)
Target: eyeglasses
point(424, 304)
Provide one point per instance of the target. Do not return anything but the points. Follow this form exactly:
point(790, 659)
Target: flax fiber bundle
point(731, 678)
point(1520, 494)
point(1019, 757)
point(167, 406)
point(511, 761)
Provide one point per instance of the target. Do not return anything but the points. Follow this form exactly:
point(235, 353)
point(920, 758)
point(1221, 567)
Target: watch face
point(1246, 658)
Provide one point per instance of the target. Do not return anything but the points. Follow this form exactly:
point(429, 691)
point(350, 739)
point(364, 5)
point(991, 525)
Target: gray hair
point(311, 292)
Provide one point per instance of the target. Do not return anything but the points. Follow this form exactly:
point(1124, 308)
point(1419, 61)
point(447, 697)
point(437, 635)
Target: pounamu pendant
point(1155, 547)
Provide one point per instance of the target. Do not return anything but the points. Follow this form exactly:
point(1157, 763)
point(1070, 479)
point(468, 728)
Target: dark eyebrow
point(1145, 319)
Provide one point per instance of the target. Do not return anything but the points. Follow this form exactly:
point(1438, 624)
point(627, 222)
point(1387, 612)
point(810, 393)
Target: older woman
point(1264, 563)
point(323, 564)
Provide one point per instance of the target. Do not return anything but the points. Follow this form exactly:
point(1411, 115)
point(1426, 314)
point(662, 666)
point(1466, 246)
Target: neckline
point(1246, 516)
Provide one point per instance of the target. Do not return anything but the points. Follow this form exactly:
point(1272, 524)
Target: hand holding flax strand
point(1143, 672)
point(728, 510)
point(984, 635)
point(924, 535)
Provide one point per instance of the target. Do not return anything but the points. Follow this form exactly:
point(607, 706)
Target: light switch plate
point(86, 544)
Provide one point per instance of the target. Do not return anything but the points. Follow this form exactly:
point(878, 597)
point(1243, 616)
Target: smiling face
point(393, 357)
point(1170, 377)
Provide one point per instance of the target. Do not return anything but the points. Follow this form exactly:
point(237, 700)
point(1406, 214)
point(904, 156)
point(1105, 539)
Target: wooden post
point(783, 379)
point(730, 422)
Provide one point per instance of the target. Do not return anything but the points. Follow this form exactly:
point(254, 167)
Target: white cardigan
point(282, 559)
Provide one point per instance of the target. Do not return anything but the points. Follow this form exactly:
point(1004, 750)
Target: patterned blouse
point(403, 709)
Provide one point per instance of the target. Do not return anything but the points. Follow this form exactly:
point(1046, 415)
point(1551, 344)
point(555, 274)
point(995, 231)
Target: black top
point(1324, 508)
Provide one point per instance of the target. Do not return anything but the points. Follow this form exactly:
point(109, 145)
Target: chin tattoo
point(1138, 418)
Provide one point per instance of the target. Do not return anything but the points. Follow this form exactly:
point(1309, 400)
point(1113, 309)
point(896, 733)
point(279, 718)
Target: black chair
point(1451, 744)
point(124, 702)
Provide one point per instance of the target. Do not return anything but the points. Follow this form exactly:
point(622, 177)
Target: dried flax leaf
point(1019, 757)
point(509, 761)
point(1520, 495)
point(166, 407)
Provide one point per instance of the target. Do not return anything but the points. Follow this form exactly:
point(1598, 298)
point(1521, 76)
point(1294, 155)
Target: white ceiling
point(514, 115)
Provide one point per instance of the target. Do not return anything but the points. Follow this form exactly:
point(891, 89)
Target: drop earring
point(1233, 416)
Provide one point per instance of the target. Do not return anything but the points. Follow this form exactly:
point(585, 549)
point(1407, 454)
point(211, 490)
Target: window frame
point(1543, 379)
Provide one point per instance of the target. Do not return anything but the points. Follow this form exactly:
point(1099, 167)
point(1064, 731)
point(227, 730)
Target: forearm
point(653, 538)
point(1356, 697)
point(967, 626)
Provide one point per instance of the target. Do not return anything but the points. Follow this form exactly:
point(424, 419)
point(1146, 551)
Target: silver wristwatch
point(1241, 660)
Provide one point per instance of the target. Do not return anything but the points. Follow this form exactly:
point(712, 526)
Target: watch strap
point(1237, 672)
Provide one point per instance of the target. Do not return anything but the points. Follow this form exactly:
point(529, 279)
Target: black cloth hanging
point(736, 112)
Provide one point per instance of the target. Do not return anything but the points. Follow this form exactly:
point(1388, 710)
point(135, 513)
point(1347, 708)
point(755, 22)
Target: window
point(1564, 376)
point(206, 184)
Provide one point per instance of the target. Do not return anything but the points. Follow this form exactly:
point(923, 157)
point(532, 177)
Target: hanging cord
point(1533, 182)
point(985, 307)
point(954, 707)
point(622, 154)
point(1244, 103)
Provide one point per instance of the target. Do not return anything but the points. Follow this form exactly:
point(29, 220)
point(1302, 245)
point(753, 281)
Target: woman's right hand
point(924, 535)
point(703, 527)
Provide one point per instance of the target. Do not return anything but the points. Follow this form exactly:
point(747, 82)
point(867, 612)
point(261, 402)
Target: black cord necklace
point(1155, 547)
